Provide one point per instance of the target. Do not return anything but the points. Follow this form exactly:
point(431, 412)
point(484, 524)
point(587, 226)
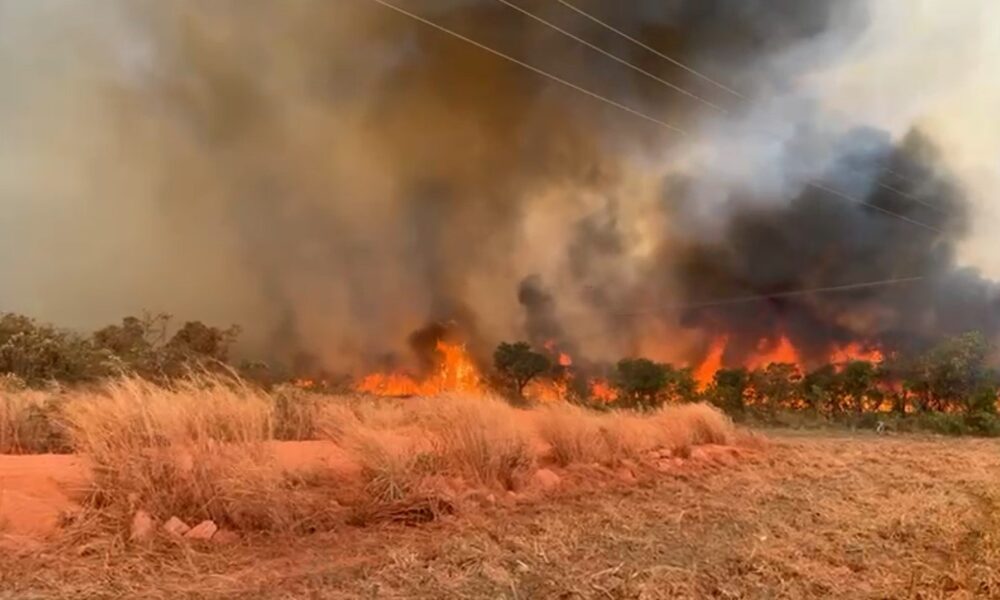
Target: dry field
point(797, 517)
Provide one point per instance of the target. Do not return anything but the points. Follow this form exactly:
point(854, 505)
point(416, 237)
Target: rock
point(202, 531)
point(700, 454)
point(626, 475)
point(491, 500)
point(143, 526)
point(176, 527)
point(545, 479)
point(224, 536)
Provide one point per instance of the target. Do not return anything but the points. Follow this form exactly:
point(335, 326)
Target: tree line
point(37, 354)
point(955, 377)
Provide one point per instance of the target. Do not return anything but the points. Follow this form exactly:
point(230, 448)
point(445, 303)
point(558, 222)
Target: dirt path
point(811, 517)
point(37, 490)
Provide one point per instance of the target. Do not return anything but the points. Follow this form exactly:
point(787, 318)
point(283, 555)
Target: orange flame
point(705, 373)
point(782, 352)
point(856, 351)
point(602, 391)
point(546, 391)
point(456, 372)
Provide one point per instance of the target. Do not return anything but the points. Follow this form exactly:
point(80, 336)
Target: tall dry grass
point(30, 421)
point(201, 448)
point(399, 443)
point(193, 450)
point(575, 435)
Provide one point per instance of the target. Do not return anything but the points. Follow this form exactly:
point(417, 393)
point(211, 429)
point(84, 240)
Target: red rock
point(545, 479)
point(202, 531)
point(176, 527)
point(224, 536)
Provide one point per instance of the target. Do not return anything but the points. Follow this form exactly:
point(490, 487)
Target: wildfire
point(546, 391)
point(456, 372)
point(705, 372)
point(602, 390)
point(563, 359)
point(856, 351)
point(782, 352)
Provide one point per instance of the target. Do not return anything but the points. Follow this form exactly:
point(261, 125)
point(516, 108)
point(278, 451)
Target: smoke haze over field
point(333, 176)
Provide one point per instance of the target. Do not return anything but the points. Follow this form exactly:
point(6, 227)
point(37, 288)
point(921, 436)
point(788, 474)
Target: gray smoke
point(334, 176)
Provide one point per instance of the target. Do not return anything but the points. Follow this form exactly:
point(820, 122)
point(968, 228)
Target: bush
point(31, 422)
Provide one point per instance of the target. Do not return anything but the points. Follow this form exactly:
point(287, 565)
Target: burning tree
point(729, 389)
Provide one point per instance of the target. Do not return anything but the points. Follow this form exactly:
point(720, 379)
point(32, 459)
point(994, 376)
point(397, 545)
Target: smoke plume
point(335, 176)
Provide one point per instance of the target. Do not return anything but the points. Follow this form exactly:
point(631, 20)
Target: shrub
point(572, 434)
point(296, 413)
point(31, 422)
point(686, 425)
point(480, 438)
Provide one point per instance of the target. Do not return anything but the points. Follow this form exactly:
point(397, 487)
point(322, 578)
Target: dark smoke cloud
point(820, 240)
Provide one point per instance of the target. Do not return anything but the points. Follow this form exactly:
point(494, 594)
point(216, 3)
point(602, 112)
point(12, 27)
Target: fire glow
point(457, 372)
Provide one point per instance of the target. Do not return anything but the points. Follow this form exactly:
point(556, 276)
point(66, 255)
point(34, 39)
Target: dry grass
point(30, 422)
point(482, 439)
point(16, 409)
point(809, 517)
point(579, 436)
point(201, 449)
point(403, 446)
point(195, 451)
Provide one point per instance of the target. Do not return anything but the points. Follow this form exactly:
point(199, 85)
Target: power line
point(620, 60)
point(912, 198)
point(613, 102)
point(651, 49)
point(639, 43)
point(532, 68)
point(844, 196)
point(787, 294)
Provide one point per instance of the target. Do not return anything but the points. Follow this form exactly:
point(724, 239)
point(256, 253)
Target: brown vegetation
point(204, 448)
point(807, 517)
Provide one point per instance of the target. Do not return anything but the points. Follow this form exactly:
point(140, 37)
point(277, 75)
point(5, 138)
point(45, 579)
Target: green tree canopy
point(517, 364)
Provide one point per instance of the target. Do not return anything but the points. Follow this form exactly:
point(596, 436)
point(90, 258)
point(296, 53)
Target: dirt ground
point(806, 517)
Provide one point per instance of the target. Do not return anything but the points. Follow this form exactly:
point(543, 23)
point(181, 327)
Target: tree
point(135, 344)
point(640, 382)
point(955, 374)
point(857, 382)
point(729, 390)
point(776, 386)
point(821, 390)
point(38, 353)
point(517, 364)
point(680, 385)
point(197, 344)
